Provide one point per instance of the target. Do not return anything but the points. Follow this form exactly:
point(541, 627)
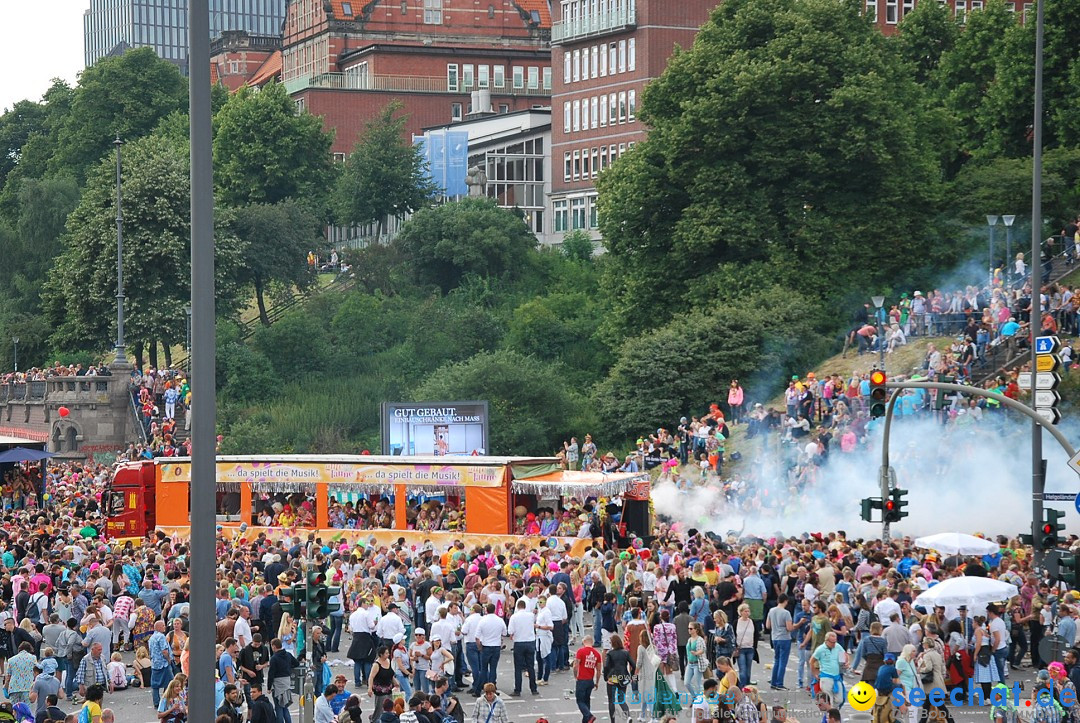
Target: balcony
point(400, 84)
point(589, 26)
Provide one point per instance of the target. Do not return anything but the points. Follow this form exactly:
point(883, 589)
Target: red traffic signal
point(877, 377)
point(1047, 529)
point(890, 505)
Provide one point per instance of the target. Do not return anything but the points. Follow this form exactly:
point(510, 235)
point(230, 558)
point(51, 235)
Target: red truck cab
point(130, 502)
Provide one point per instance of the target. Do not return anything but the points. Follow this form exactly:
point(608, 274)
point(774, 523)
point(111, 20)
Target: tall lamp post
point(879, 302)
point(120, 355)
point(15, 341)
point(991, 221)
point(1008, 220)
point(187, 334)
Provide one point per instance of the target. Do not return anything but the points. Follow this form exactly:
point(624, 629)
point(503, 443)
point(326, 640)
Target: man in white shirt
point(388, 626)
point(531, 595)
point(472, 651)
point(444, 627)
point(560, 648)
point(489, 634)
point(648, 582)
point(522, 631)
point(886, 607)
point(323, 712)
point(432, 605)
point(242, 630)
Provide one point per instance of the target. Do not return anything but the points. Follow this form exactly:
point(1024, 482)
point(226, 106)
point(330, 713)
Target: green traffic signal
point(1068, 572)
point(869, 504)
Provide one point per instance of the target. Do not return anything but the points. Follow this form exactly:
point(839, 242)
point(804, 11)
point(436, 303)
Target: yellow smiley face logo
point(862, 697)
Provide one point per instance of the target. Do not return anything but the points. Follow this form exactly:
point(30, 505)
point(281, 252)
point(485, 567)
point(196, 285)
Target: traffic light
point(317, 595)
point(1050, 529)
point(894, 506)
point(292, 600)
point(1068, 571)
point(332, 606)
point(869, 504)
point(878, 393)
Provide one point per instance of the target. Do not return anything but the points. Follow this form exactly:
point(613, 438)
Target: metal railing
point(598, 24)
point(136, 417)
point(401, 84)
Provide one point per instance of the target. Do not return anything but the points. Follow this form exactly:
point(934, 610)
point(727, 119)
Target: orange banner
point(343, 473)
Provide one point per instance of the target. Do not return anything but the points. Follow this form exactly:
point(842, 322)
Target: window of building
point(519, 76)
point(631, 54)
point(622, 149)
point(603, 157)
point(433, 12)
point(593, 212)
point(585, 114)
point(976, 4)
point(567, 165)
point(500, 76)
point(547, 77)
point(566, 59)
point(577, 213)
point(631, 105)
point(1011, 7)
point(455, 112)
point(594, 60)
point(404, 7)
point(603, 61)
point(339, 158)
point(483, 79)
point(346, 8)
point(301, 105)
point(566, 116)
point(467, 75)
point(595, 112)
point(577, 65)
point(491, 12)
point(890, 12)
point(577, 165)
point(612, 155)
point(534, 78)
point(577, 115)
point(585, 64)
point(961, 9)
point(603, 111)
point(613, 109)
point(452, 77)
point(595, 162)
point(561, 216)
point(908, 6)
point(622, 107)
point(586, 165)
point(234, 67)
point(871, 10)
point(612, 58)
point(622, 56)
point(504, 108)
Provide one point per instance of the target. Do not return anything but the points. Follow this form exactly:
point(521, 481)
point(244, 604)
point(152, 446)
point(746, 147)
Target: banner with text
point(367, 475)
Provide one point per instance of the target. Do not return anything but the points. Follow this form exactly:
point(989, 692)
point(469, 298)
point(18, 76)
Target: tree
point(31, 159)
point(297, 345)
point(662, 373)
point(79, 296)
point(779, 145)
point(275, 240)
point(384, 177)
point(265, 151)
point(578, 245)
point(531, 404)
point(471, 236)
point(16, 126)
point(926, 34)
point(125, 95)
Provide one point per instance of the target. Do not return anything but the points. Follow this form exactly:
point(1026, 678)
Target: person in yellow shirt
point(91, 710)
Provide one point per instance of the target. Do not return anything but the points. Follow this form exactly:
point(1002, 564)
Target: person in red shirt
point(588, 669)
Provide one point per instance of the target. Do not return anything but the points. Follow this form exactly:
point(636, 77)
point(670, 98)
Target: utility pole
point(1038, 464)
point(121, 356)
point(203, 413)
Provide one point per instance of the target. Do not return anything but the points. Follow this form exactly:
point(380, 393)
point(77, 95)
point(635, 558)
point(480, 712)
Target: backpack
point(84, 716)
point(33, 612)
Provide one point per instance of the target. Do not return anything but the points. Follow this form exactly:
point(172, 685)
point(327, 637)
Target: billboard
point(447, 156)
point(434, 428)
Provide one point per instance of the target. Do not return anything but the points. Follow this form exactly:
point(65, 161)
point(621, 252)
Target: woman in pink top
point(735, 401)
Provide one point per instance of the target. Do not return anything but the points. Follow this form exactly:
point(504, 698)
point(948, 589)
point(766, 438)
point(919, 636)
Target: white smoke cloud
point(966, 479)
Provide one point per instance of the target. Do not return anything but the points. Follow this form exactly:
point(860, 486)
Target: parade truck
point(476, 499)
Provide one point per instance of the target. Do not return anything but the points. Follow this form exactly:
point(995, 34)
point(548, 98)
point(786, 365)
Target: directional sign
point(1076, 503)
point(1074, 465)
point(1046, 344)
point(1023, 380)
point(1055, 496)
point(1047, 362)
point(1046, 398)
point(1046, 380)
point(1052, 415)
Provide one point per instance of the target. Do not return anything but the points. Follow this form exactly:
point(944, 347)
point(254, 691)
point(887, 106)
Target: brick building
point(604, 53)
point(236, 58)
point(345, 61)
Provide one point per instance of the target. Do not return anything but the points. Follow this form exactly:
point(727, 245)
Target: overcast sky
point(38, 42)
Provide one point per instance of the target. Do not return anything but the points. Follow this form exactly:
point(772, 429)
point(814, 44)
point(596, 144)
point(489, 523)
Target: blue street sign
point(1076, 503)
point(1046, 344)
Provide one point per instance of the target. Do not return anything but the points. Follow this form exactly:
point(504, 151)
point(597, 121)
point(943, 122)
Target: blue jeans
point(489, 665)
point(472, 653)
point(1000, 656)
point(334, 641)
point(543, 665)
point(420, 681)
point(159, 680)
point(403, 681)
point(746, 661)
point(692, 679)
point(804, 658)
point(596, 628)
point(523, 663)
point(582, 693)
point(283, 714)
point(781, 652)
point(361, 671)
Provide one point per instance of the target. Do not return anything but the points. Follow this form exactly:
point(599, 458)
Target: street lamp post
point(187, 334)
point(991, 221)
point(120, 355)
point(15, 341)
point(1008, 220)
point(879, 303)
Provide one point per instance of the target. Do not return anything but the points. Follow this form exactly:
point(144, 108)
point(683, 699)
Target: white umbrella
point(968, 590)
point(957, 543)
